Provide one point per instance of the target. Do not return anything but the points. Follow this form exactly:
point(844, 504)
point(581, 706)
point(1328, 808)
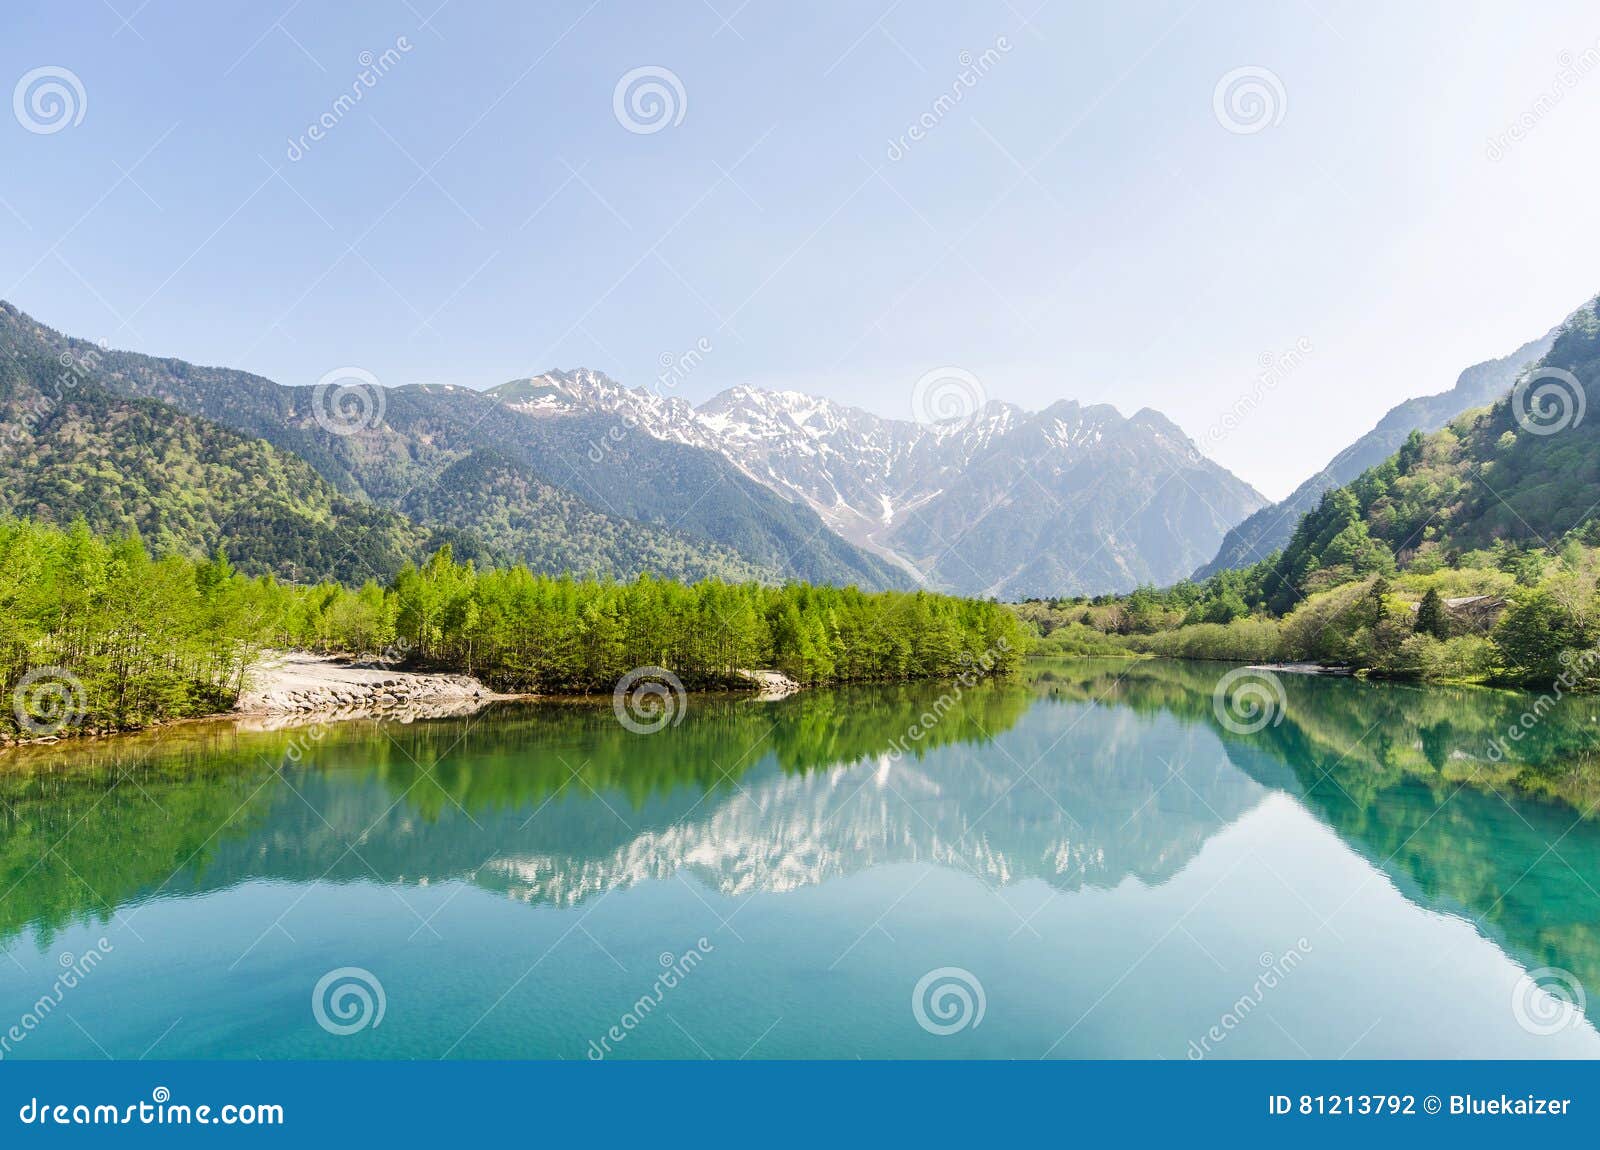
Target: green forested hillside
point(69, 449)
point(1269, 529)
point(506, 517)
point(697, 492)
point(654, 506)
point(1488, 479)
point(1472, 553)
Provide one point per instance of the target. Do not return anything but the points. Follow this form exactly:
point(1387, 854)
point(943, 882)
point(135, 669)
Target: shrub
point(1242, 640)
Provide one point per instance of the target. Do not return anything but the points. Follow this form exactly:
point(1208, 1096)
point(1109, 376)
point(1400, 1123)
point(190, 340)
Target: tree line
point(97, 633)
point(1503, 614)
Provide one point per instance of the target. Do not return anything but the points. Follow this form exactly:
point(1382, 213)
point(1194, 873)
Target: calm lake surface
point(1089, 851)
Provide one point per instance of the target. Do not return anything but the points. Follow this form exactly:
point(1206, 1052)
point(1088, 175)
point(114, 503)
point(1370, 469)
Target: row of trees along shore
point(1502, 615)
point(101, 630)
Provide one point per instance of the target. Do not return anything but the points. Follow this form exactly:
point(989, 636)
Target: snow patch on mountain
point(871, 478)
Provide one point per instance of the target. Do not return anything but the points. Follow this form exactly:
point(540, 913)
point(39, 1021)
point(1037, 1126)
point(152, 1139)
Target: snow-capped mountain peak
point(910, 491)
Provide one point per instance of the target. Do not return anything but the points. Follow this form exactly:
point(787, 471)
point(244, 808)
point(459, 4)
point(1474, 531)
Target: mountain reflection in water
point(1080, 775)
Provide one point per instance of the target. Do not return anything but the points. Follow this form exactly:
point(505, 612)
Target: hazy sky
point(1084, 222)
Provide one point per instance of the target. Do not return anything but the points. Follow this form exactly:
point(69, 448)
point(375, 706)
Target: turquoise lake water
point(1088, 862)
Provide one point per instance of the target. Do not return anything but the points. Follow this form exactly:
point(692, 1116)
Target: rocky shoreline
point(1300, 669)
point(769, 685)
point(284, 689)
point(295, 683)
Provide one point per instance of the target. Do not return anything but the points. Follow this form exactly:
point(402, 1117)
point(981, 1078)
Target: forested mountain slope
point(70, 448)
point(556, 500)
point(1524, 471)
point(1269, 529)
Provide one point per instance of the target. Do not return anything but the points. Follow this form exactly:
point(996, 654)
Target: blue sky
point(1081, 224)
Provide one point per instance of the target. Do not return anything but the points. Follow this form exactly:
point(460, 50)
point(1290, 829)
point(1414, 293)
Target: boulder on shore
point(769, 684)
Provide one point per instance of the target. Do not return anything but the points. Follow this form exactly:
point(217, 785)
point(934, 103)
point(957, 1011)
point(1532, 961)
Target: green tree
point(1534, 634)
point(1431, 617)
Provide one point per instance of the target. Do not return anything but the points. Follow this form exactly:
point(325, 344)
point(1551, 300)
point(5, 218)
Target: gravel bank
point(290, 683)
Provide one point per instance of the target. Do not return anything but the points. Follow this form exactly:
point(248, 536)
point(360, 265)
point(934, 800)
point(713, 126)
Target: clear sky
point(1083, 223)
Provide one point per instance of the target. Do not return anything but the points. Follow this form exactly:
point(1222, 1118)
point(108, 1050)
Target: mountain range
point(571, 471)
point(1005, 503)
point(456, 465)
